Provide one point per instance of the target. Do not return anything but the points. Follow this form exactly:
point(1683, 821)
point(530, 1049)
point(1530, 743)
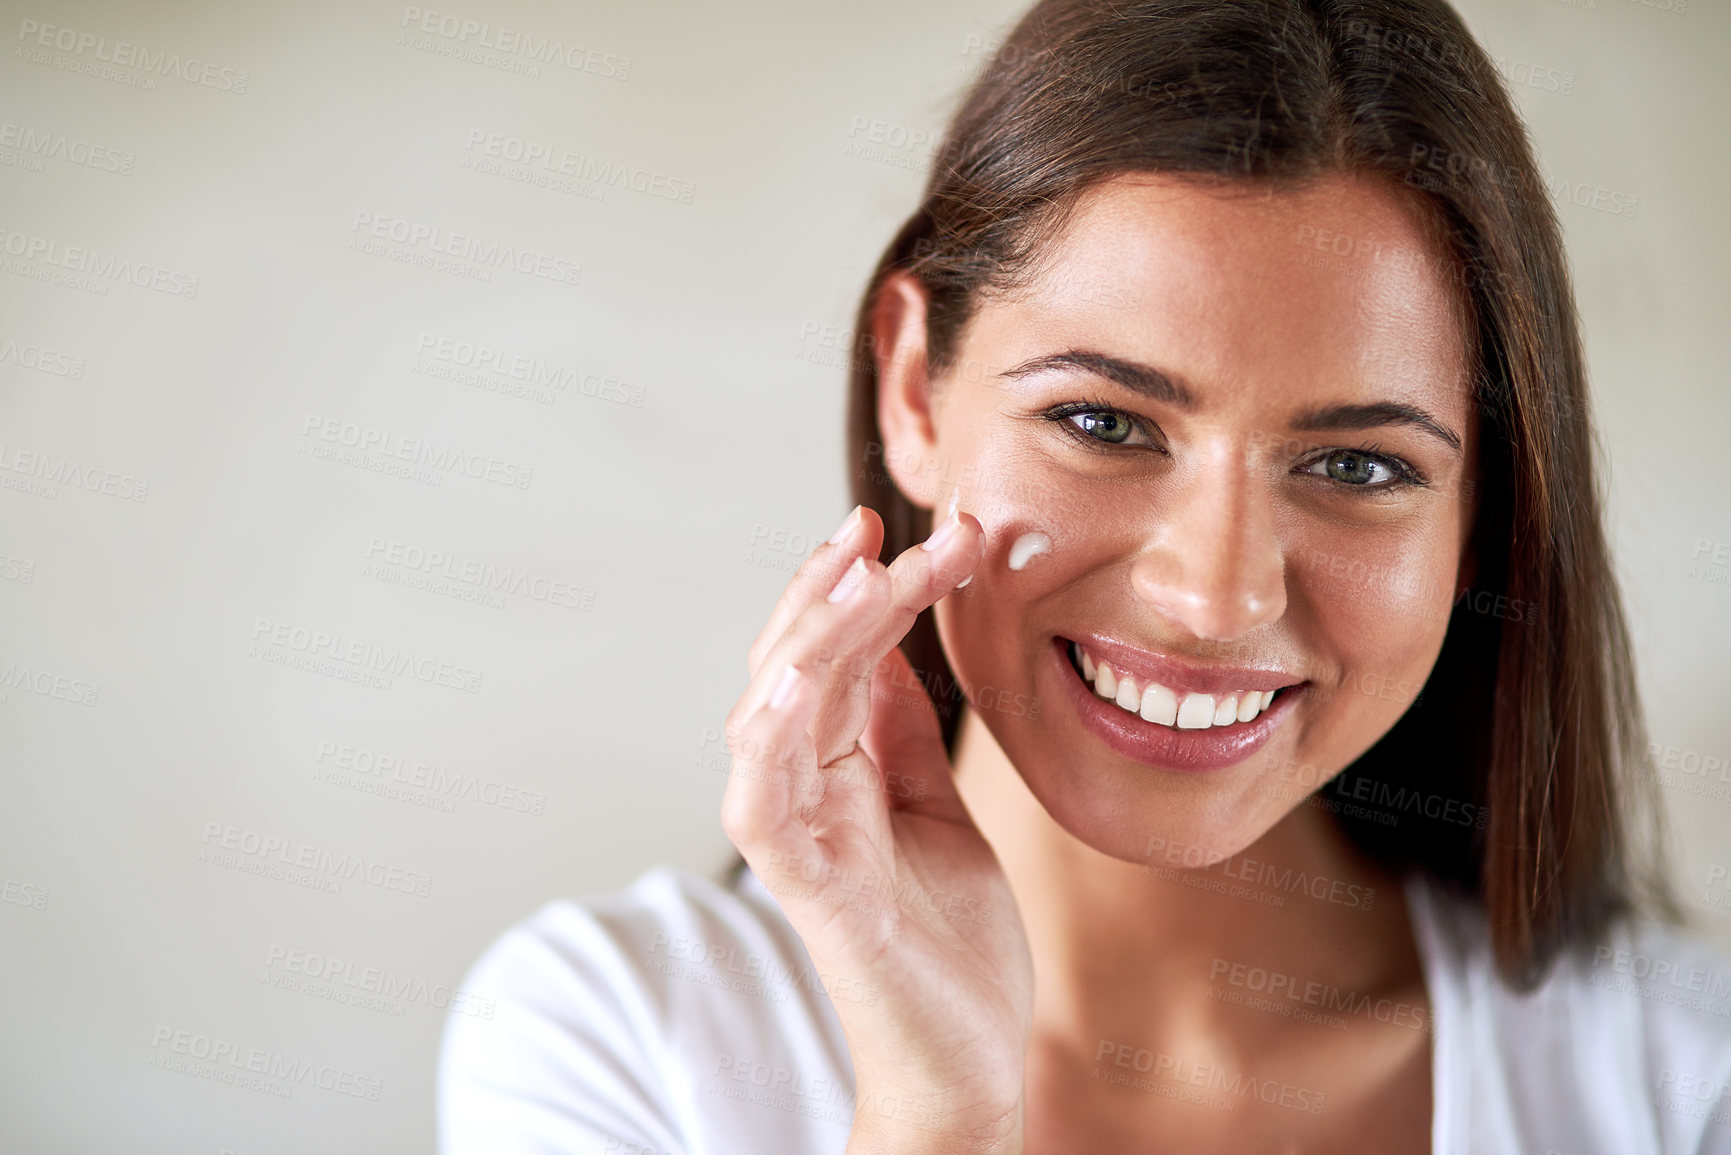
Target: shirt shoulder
point(674, 1016)
point(1624, 1046)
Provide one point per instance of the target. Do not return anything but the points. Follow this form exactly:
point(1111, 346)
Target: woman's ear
point(905, 415)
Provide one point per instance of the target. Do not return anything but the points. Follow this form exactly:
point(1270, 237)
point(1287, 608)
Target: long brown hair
point(1530, 718)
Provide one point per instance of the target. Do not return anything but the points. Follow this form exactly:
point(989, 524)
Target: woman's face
point(1243, 425)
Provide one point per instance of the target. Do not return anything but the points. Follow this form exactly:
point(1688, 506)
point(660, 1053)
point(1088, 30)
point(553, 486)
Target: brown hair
point(1530, 720)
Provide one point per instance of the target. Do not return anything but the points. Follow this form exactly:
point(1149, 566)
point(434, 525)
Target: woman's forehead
point(1336, 280)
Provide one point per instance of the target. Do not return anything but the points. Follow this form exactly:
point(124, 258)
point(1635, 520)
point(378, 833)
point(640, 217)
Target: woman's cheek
point(1038, 540)
point(1034, 519)
point(1379, 604)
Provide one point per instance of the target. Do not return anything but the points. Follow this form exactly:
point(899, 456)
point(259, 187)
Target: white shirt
point(684, 1018)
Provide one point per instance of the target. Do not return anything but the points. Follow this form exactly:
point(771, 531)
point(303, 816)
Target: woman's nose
point(1214, 565)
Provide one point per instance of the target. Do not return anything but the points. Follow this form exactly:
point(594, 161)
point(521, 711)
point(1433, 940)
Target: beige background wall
point(644, 504)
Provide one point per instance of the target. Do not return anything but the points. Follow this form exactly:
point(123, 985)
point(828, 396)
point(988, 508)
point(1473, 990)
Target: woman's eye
point(1355, 467)
point(1106, 425)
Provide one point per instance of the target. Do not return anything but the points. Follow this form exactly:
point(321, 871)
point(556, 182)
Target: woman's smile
point(1169, 714)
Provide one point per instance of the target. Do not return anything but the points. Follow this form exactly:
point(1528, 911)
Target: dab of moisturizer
point(1027, 547)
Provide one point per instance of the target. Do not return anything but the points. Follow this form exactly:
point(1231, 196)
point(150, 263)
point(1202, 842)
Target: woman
point(1263, 776)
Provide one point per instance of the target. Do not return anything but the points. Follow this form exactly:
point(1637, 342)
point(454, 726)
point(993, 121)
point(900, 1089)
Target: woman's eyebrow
point(1133, 375)
point(1372, 416)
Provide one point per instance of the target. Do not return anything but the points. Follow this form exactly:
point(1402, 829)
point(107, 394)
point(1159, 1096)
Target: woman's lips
point(1192, 743)
point(1144, 666)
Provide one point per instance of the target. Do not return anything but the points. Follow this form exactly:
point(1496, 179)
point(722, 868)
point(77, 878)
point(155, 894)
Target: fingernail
point(846, 527)
point(784, 688)
point(850, 581)
point(942, 534)
point(963, 583)
point(955, 501)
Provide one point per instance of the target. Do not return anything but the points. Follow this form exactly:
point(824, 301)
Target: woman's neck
point(1140, 953)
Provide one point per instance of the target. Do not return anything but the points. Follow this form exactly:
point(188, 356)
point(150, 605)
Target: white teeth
point(1250, 705)
point(1196, 712)
point(1163, 706)
point(1159, 704)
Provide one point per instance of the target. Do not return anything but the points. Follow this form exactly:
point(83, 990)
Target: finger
point(861, 534)
point(770, 780)
point(925, 573)
point(818, 641)
point(916, 579)
point(904, 739)
point(801, 829)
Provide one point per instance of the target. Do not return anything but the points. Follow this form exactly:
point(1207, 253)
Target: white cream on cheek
point(1027, 547)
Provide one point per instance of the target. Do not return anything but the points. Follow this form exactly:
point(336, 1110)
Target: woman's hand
point(840, 798)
